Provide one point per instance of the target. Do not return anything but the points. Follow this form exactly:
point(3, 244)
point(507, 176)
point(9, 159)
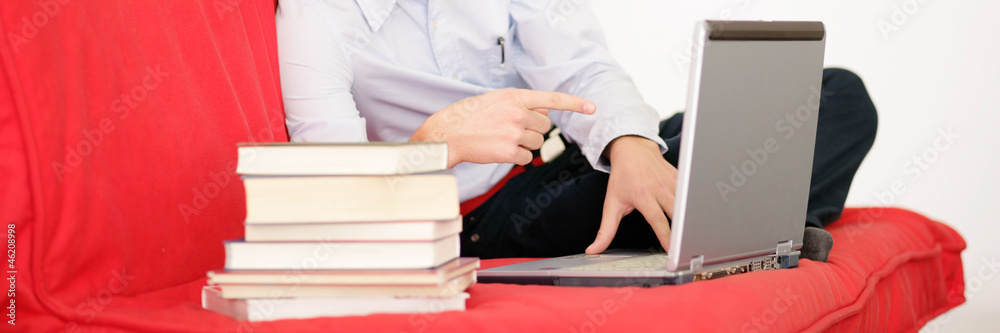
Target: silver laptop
point(744, 166)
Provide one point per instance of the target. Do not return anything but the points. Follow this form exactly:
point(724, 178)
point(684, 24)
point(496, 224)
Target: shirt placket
point(443, 43)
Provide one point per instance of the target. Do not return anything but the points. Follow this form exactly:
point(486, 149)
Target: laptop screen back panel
point(747, 144)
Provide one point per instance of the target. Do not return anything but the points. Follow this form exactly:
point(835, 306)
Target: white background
point(933, 65)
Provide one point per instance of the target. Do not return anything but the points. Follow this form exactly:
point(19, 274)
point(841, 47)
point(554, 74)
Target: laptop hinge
point(697, 262)
point(784, 247)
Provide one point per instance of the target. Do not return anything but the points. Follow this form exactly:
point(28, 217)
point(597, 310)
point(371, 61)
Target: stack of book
point(344, 229)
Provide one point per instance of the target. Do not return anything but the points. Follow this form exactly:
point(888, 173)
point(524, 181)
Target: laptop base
point(529, 274)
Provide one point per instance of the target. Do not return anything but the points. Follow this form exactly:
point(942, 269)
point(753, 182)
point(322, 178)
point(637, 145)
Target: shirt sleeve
point(564, 51)
point(316, 76)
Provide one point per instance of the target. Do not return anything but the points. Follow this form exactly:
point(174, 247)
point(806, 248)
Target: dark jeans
point(555, 209)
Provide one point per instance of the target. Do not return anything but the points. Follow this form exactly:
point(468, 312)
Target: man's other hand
point(501, 126)
point(640, 180)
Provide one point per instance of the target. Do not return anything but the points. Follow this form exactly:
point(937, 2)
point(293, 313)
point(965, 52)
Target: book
point(450, 288)
point(426, 277)
point(340, 255)
point(426, 230)
point(429, 196)
point(264, 309)
point(374, 158)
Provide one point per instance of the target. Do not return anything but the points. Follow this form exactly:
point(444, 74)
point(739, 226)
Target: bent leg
point(845, 133)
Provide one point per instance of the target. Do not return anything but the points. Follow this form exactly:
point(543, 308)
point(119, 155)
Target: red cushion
point(118, 122)
point(892, 274)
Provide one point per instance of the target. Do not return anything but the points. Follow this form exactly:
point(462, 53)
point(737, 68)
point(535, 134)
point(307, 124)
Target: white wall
point(935, 67)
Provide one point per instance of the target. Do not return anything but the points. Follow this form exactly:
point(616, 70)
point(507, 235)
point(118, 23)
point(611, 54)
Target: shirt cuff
point(606, 131)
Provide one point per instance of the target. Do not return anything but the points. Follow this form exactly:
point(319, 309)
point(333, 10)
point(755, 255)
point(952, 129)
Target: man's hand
point(501, 126)
point(640, 180)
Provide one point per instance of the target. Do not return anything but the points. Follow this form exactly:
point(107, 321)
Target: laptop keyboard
point(655, 262)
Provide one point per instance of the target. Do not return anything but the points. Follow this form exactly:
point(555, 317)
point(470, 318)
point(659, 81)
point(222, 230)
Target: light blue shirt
point(356, 71)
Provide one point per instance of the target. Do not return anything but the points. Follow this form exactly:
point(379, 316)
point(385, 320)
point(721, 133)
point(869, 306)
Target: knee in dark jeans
point(852, 100)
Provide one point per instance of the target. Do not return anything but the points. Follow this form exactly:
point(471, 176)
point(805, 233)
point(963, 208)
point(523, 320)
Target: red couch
point(118, 125)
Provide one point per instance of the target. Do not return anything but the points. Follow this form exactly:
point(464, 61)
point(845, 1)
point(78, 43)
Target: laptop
point(744, 168)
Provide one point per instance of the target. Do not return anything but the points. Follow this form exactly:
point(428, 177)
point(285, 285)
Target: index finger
point(612, 215)
point(532, 99)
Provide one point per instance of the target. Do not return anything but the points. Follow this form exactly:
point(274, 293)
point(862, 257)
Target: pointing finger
point(532, 99)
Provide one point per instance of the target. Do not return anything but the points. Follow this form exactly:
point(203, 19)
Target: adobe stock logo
point(31, 26)
point(901, 14)
point(562, 10)
point(786, 126)
point(121, 109)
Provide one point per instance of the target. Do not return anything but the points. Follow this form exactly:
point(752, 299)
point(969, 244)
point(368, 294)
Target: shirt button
point(474, 238)
point(434, 25)
point(454, 76)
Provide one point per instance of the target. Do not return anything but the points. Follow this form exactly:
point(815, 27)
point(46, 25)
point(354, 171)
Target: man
point(426, 70)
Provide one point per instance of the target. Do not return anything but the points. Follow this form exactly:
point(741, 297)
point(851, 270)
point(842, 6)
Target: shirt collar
point(376, 11)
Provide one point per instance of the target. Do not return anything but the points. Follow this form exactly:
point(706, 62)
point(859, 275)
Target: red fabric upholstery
point(118, 122)
point(118, 130)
